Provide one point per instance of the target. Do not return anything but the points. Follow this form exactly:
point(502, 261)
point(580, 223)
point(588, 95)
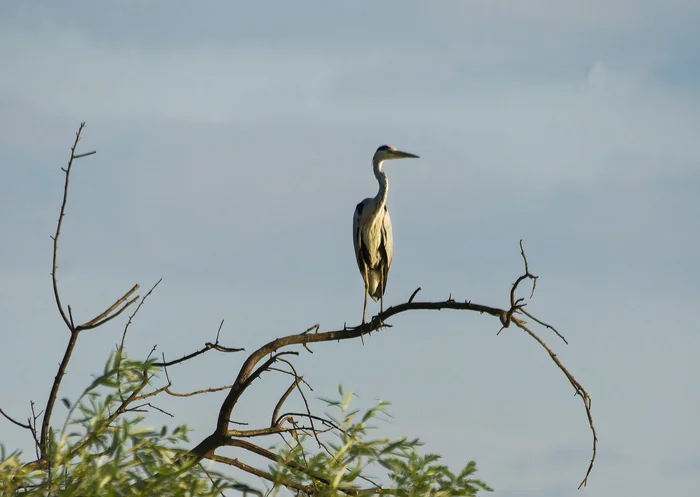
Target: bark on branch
point(222, 435)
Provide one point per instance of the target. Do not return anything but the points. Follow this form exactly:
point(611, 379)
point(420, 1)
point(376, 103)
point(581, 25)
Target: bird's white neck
point(380, 199)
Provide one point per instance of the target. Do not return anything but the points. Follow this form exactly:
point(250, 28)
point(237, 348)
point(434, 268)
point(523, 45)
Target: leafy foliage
point(418, 476)
point(342, 465)
point(104, 449)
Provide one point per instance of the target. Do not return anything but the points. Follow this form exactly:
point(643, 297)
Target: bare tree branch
point(13, 421)
point(120, 348)
point(207, 346)
point(261, 360)
point(249, 372)
point(259, 473)
point(106, 316)
point(579, 391)
point(108, 421)
point(275, 413)
point(44, 438)
point(167, 390)
point(545, 325)
point(142, 408)
point(138, 308)
point(60, 223)
point(325, 421)
point(413, 295)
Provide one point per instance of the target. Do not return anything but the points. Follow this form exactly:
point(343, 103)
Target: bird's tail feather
point(375, 288)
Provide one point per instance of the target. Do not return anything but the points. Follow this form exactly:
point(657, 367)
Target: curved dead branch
point(265, 359)
point(250, 369)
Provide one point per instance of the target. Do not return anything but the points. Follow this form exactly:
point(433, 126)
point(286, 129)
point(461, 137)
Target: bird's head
point(385, 152)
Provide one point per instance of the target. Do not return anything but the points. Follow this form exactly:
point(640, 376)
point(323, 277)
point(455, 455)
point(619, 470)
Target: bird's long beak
point(398, 154)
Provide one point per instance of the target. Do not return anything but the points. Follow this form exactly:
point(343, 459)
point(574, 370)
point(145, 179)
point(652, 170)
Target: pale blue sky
point(234, 140)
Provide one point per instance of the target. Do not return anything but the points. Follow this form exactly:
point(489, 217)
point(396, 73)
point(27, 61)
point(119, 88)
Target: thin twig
point(43, 441)
point(585, 397)
point(219, 331)
point(545, 325)
point(57, 234)
point(10, 419)
point(413, 295)
point(282, 400)
point(133, 315)
point(301, 378)
point(109, 420)
point(148, 404)
point(107, 315)
point(37, 444)
point(120, 349)
point(259, 473)
point(306, 403)
point(207, 346)
point(325, 421)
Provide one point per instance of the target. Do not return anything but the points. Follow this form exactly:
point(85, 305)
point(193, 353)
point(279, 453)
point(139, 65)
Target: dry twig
point(110, 313)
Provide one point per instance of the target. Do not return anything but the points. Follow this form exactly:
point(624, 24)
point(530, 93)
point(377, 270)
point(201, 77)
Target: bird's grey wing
point(357, 237)
point(386, 248)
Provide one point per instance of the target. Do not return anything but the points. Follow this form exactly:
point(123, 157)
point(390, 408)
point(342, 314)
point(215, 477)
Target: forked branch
point(264, 359)
point(250, 369)
point(110, 313)
point(62, 213)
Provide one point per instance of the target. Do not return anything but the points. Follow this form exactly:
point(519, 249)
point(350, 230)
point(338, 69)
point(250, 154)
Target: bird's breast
point(372, 240)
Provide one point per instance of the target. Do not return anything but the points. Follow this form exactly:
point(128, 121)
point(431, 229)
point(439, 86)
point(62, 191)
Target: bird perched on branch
point(371, 231)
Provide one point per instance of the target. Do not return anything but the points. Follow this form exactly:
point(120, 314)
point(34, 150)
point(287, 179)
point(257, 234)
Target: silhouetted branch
point(111, 312)
point(579, 391)
point(207, 347)
point(250, 369)
point(167, 390)
point(11, 420)
point(142, 408)
point(123, 407)
point(138, 308)
point(275, 413)
point(261, 360)
point(60, 223)
point(545, 325)
point(259, 473)
point(324, 421)
point(120, 348)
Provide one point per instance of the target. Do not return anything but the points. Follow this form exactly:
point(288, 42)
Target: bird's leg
point(381, 309)
point(381, 298)
point(364, 314)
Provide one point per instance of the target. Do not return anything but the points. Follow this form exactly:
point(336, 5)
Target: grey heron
point(371, 231)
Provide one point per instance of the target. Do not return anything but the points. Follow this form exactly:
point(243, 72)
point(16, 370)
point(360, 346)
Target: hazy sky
point(234, 140)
